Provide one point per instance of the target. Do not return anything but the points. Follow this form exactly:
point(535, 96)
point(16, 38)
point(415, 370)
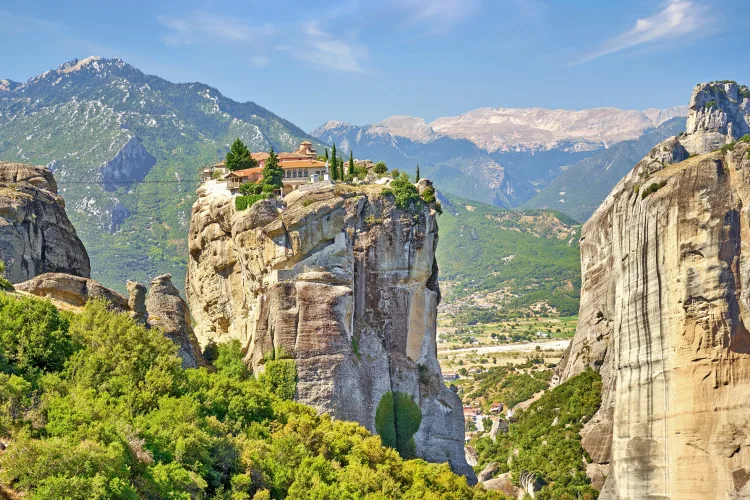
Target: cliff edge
point(664, 301)
point(344, 283)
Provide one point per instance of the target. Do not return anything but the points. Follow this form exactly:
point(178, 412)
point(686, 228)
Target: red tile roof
point(302, 164)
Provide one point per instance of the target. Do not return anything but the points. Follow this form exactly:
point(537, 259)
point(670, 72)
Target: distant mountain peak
point(77, 64)
point(410, 127)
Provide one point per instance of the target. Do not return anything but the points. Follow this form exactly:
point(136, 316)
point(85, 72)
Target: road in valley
point(558, 344)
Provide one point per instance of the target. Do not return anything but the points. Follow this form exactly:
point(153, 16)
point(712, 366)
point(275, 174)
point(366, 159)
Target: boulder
point(73, 290)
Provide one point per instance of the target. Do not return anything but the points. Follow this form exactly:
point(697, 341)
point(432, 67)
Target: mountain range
point(502, 156)
point(126, 149)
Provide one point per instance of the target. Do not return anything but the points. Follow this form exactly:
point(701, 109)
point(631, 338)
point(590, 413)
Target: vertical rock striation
point(664, 301)
point(344, 283)
point(36, 235)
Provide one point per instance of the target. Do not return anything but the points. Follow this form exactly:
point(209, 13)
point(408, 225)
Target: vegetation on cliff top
point(93, 405)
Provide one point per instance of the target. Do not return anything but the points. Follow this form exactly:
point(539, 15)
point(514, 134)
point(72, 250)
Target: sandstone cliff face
point(35, 234)
point(344, 283)
point(664, 300)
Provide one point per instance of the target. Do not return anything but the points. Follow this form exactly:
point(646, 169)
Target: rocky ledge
point(344, 283)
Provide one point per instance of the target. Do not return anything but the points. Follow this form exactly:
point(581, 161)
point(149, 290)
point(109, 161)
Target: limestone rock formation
point(73, 290)
point(664, 302)
point(343, 282)
point(168, 312)
point(36, 236)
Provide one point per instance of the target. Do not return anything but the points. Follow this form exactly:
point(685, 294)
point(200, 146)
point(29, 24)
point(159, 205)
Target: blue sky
point(362, 61)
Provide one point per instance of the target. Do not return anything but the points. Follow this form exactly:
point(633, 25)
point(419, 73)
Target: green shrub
point(710, 104)
point(280, 378)
point(397, 419)
point(380, 168)
point(5, 285)
point(654, 187)
point(248, 188)
point(744, 138)
point(405, 193)
point(33, 335)
point(230, 360)
point(243, 202)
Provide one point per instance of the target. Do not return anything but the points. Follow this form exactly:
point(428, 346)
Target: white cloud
point(677, 19)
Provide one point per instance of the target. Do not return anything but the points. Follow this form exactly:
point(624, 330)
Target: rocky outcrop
point(130, 165)
point(36, 235)
point(664, 302)
point(137, 301)
point(168, 312)
point(73, 290)
point(344, 283)
point(719, 113)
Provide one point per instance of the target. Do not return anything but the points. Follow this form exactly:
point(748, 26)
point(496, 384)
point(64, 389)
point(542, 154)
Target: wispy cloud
point(304, 41)
point(199, 27)
point(443, 15)
point(677, 19)
point(320, 47)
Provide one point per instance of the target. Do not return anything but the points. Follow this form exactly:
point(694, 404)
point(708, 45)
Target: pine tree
point(334, 164)
point(239, 157)
point(416, 179)
point(273, 175)
point(351, 162)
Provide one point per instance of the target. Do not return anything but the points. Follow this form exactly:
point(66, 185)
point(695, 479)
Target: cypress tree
point(238, 157)
point(341, 169)
point(334, 164)
point(351, 162)
point(273, 175)
point(417, 176)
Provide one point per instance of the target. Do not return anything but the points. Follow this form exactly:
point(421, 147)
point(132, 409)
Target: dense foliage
point(238, 157)
point(548, 441)
point(101, 408)
point(484, 248)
